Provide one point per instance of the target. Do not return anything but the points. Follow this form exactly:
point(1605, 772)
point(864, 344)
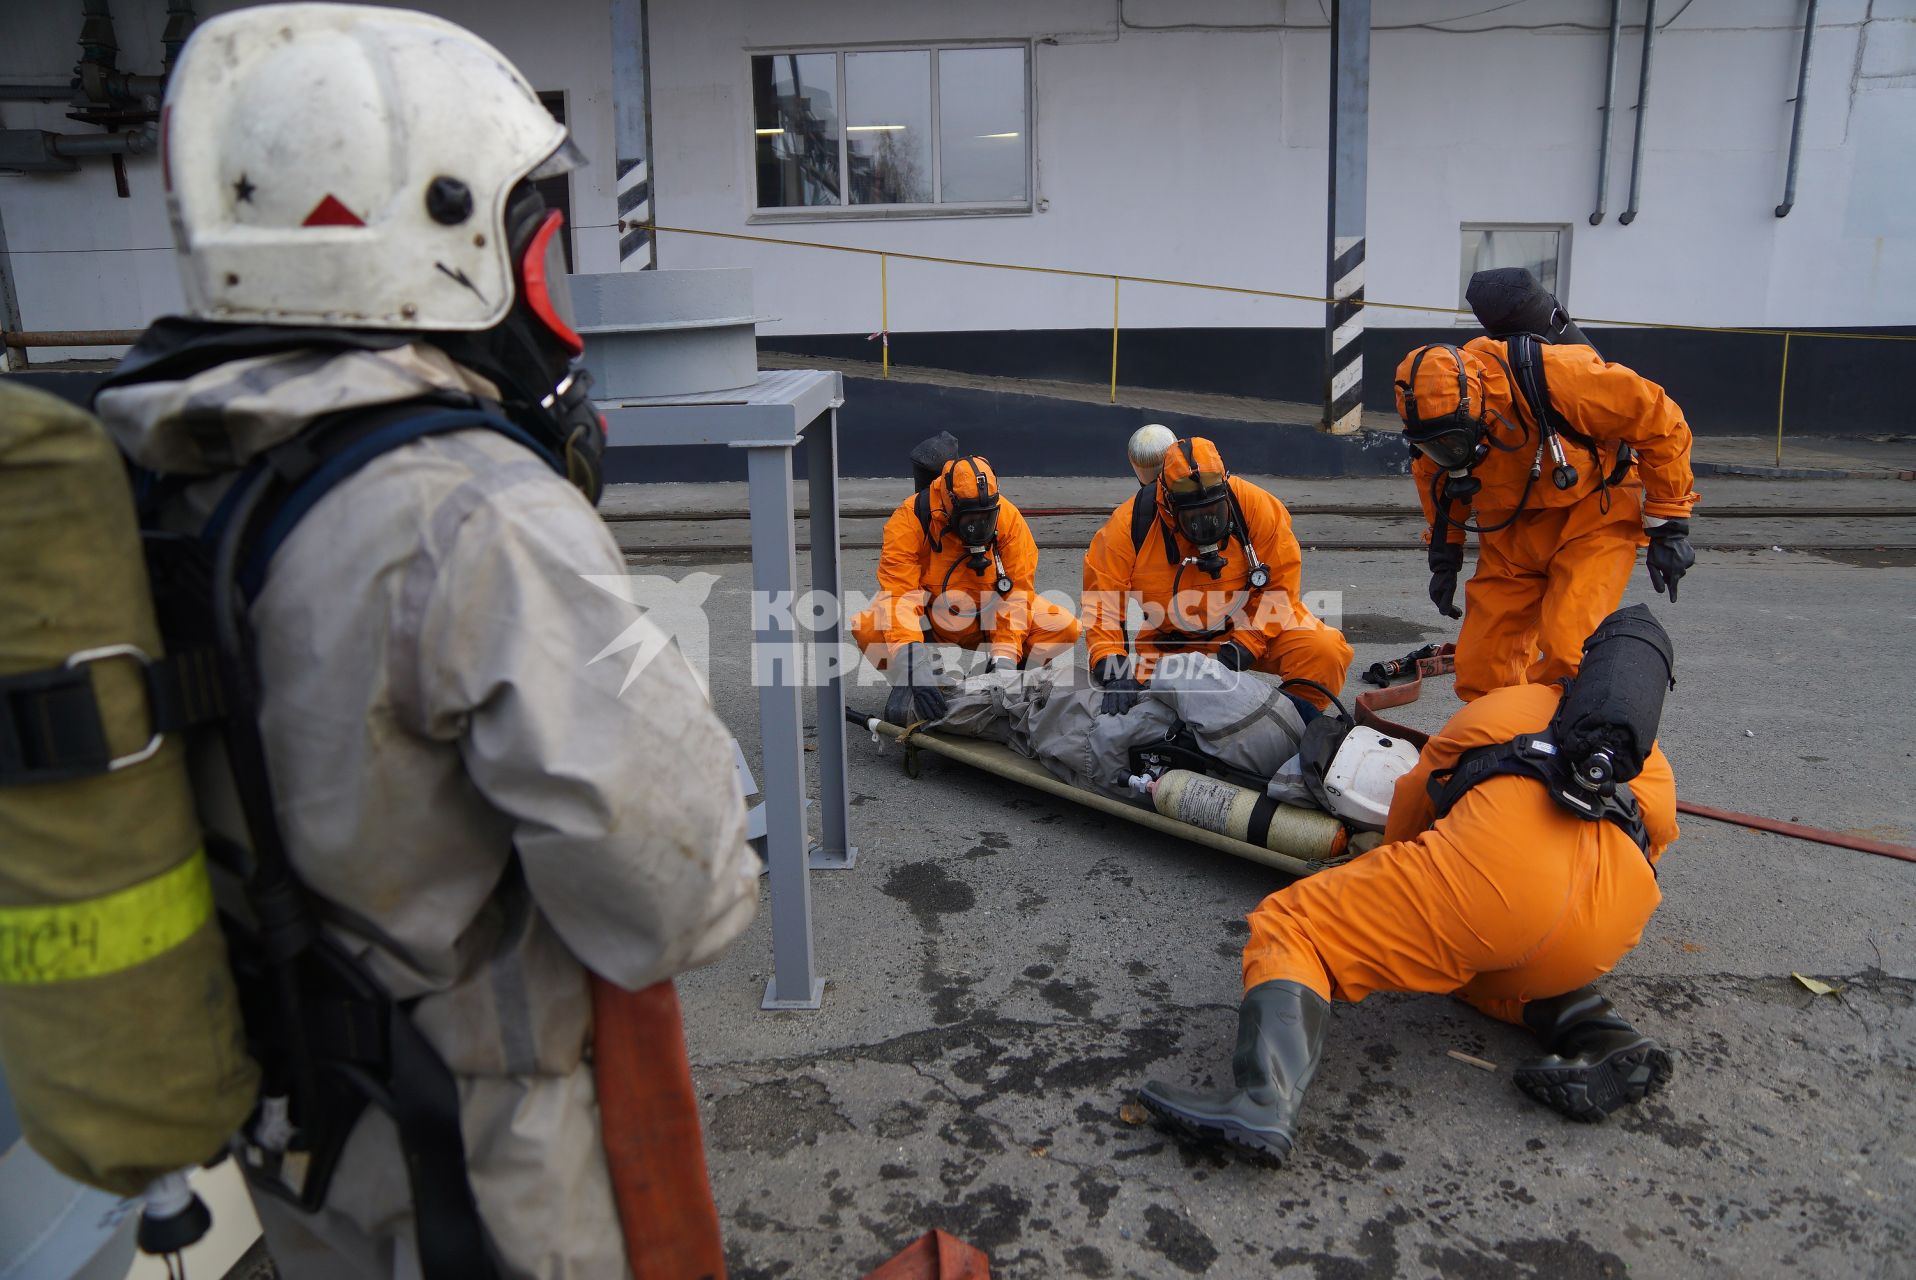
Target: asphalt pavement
point(1004, 969)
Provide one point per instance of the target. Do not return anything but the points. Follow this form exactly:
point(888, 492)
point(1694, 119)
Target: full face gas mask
point(1201, 507)
point(533, 354)
point(974, 522)
point(1456, 441)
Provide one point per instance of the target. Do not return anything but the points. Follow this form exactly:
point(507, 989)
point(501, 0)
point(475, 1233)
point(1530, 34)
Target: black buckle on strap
point(50, 728)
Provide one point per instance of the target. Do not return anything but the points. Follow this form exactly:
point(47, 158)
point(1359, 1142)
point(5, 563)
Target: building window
point(881, 130)
point(1543, 249)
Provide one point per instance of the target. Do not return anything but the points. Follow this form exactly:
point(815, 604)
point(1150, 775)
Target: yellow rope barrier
point(1243, 290)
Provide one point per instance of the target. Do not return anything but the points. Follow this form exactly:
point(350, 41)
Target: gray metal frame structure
point(768, 420)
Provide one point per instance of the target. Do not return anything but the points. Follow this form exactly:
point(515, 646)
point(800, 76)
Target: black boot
point(1280, 1033)
point(1596, 1061)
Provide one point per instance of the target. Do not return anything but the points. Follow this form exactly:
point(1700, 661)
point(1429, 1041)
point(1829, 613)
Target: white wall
point(1200, 155)
point(1192, 154)
point(82, 258)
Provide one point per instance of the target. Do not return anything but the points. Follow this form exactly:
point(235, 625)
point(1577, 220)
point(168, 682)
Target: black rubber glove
point(1234, 656)
point(1445, 559)
point(1670, 556)
point(1121, 687)
point(916, 696)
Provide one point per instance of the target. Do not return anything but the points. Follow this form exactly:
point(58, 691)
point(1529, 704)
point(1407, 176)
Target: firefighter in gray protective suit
point(481, 811)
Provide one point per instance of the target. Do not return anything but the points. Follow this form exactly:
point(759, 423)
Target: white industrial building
point(1175, 139)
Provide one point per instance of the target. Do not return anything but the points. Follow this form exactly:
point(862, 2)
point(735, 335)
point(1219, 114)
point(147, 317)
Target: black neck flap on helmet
point(1455, 441)
point(532, 354)
point(1607, 721)
point(973, 521)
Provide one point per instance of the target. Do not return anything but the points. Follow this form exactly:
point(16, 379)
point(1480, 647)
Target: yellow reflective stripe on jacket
point(64, 941)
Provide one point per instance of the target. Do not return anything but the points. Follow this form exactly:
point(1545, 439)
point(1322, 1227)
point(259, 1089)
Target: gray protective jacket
point(431, 708)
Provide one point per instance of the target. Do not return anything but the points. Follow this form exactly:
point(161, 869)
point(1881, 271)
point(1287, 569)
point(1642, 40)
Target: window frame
point(845, 210)
point(1563, 230)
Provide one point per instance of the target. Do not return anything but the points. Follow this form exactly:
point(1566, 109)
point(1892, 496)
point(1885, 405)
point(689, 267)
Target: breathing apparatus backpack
point(120, 1029)
point(121, 1008)
point(1602, 731)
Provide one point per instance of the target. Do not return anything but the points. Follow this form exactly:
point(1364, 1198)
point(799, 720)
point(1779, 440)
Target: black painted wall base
point(1725, 382)
point(1028, 436)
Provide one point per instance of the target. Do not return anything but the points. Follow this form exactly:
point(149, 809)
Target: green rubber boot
point(1280, 1035)
point(1595, 1061)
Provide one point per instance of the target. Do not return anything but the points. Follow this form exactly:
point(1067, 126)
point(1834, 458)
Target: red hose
point(649, 1118)
point(1801, 832)
point(1369, 704)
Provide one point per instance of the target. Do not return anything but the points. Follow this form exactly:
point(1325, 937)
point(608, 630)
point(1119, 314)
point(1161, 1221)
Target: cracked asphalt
point(1005, 969)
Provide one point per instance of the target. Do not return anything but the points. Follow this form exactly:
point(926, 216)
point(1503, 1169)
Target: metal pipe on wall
point(1629, 215)
point(1609, 110)
point(1796, 117)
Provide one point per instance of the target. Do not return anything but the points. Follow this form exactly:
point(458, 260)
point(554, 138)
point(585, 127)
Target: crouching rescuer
point(1211, 565)
point(958, 566)
point(1519, 867)
point(368, 466)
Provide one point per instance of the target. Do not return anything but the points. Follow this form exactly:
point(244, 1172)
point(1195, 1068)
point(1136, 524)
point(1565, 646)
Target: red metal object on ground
point(935, 1256)
point(649, 1118)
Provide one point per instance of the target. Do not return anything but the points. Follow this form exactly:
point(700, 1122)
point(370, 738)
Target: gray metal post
point(632, 131)
point(16, 357)
point(778, 672)
point(1796, 117)
point(1344, 223)
point(1609, 112)
point(1629, 215)
point(834, 851)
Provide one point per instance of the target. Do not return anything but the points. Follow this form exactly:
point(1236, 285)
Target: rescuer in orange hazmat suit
point(958, 566)
point(1495, 890)
point(1213, 565)
point(1558, 519)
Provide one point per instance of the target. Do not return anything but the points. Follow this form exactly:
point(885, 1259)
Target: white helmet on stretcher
point(349, 166)
point(1363, 776)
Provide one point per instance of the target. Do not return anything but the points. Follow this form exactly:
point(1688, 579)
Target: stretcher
point(1321, 844)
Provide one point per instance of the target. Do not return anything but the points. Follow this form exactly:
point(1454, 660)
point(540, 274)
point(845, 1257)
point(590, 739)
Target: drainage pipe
point(1796, 117)
point(1609, 110)
point(1629, 215)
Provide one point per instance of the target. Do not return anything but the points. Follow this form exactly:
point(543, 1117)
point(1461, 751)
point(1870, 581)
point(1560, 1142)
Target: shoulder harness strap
point(319, 459)
point(1144, 514)
point(1534, 756)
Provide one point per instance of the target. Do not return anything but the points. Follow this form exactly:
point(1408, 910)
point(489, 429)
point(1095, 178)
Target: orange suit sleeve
point(1268, 526)
point(1108, 565)
point(1018, 552)
point(1611, 402)
point(1655, 790)
point(901, 594)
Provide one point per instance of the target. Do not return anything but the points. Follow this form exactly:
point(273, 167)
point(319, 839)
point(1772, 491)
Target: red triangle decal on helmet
point(331, 213)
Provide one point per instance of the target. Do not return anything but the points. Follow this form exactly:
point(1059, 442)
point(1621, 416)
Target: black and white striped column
point(1345, 409)
point(631, 119)
point(1344, 220)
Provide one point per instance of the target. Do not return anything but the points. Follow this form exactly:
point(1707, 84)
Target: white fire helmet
point(348, 166)
point(1363, 776)
point(1147, 449)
